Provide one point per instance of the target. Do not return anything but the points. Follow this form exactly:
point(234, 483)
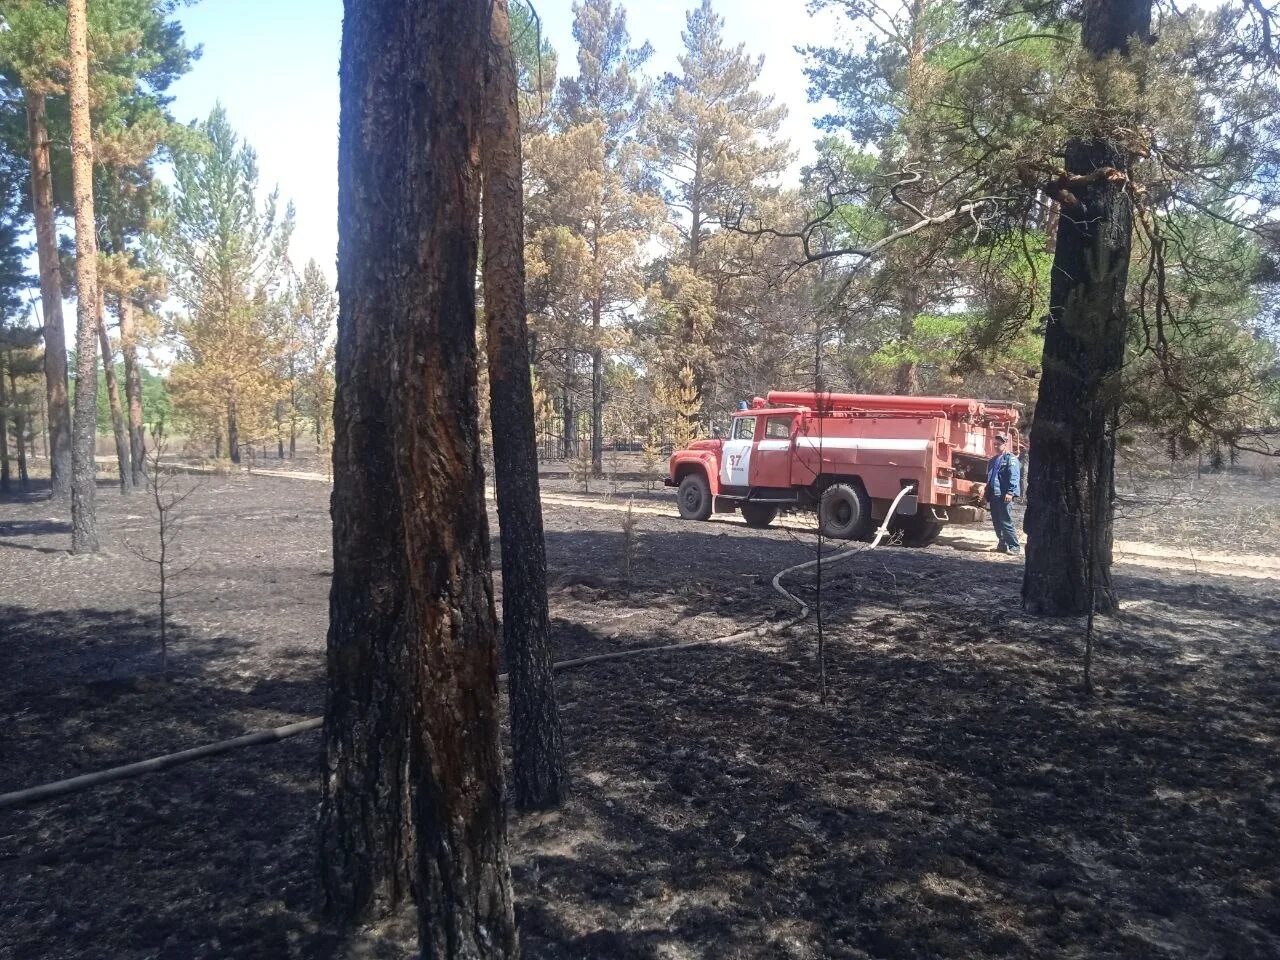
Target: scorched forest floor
point(955, 796)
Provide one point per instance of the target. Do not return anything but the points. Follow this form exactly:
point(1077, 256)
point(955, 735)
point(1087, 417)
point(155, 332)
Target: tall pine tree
point(617, 210)
point(315, 306)
point(412, 791)
point(537, 743)
point(137, 50)
point(84, 520)
point(1070, 513)
point(227, 257)
point(32, 49)
point(591, 210)
point(714, 136)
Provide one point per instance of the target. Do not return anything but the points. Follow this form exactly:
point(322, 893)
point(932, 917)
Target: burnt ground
point(955, 796)
point(1186, 505)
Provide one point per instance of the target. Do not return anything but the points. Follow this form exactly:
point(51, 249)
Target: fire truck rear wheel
point(917, 531)
point(694, 497)
point(844, 512)
point(758, 514)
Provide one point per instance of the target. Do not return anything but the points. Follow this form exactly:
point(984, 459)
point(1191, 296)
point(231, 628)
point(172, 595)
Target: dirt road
point(970, 537)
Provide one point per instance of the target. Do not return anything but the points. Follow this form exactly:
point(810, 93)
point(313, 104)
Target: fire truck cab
point(847, 456)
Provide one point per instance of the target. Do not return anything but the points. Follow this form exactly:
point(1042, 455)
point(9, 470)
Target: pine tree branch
point(1011, 40)
point(805, 234)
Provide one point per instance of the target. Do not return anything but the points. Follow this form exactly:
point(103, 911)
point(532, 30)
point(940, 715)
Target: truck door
point(771, 460)
point(735, 455)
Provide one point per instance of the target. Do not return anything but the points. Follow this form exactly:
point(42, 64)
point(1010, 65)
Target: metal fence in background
point(554, 445)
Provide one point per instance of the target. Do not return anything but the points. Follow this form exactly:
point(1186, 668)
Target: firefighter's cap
point(1001, 438)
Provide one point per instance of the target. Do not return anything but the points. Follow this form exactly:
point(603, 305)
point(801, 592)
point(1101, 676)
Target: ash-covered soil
point(1186, 505)
point(954, 796)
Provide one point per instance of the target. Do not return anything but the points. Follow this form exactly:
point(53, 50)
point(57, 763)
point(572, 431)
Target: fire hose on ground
point(59, 788)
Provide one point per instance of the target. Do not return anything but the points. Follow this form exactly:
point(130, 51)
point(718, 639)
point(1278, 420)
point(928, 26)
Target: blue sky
point(274, 65)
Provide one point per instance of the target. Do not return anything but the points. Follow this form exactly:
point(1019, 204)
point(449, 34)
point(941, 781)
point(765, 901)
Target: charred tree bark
point(19, 429)
point(5, 480)
point(906, 379)
point(233, 430)
point(537, 743)
point(412, 789)
point(84, 522)
point(1051, 228)
point(133, 391)
point(910, 291)
point(280, 430)
point(1069, 530)
point(123, 458)
point(569, 437)
point(293, 411)
point(57, 397)
point(695, 215)
point(597, 359)
point(597, 395)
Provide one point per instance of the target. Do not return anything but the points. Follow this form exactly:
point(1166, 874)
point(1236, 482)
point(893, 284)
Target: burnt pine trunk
point(1069, 532)
point(537, 746)
point(4, 430)
point(906, 379)
point(569, 437)
point(233, 428)
point(293, 412)
point(280, 430)
point(19, 428)
point(57, 400)
point(695, 263)
point(597, 393)
point(412, 791)
point(84, 523)
point(910, 293)
point(113, 402)
point(133, 391)
point(597, 360)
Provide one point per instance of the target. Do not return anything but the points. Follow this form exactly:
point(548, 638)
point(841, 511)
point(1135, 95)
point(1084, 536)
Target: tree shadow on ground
point(36, 491)
point(954, 797)
point(928, 809)
point(45, 649)
point(33, 528)
point(1219, 595)
point(210, 859)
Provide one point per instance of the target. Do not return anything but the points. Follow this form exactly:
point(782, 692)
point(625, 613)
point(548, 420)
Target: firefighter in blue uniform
point(1004, 482)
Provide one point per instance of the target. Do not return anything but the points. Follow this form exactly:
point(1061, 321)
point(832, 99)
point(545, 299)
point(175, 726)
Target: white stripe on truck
point(862, 443)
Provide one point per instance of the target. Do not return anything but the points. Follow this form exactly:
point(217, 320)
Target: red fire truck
point(847, 456)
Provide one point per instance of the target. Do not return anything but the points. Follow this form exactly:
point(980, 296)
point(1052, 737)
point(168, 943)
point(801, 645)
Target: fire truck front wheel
point(694, 497)
point(844, 512)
